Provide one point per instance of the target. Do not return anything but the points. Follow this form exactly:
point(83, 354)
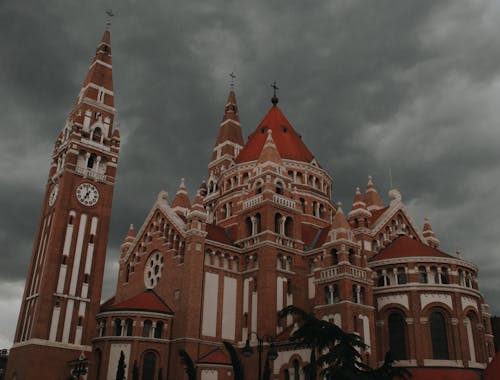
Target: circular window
point(153, 270)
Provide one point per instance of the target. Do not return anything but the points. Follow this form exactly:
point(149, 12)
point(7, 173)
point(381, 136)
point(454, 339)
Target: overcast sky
point(413, 86)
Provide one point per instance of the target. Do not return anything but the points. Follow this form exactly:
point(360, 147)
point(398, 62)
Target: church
point(261, 233)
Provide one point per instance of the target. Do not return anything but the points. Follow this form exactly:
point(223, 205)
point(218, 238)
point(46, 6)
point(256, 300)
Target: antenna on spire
point(110, 14)
point(274, 99)
point(232, 75)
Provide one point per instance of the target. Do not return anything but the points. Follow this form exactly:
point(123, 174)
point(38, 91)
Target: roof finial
point(274, 99)
point(110, 14)
point(232, 75)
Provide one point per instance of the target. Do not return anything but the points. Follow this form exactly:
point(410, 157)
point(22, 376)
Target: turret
point(429, 236)
point(372, 199)
point(359, 215)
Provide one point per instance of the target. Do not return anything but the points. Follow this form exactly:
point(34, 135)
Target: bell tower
point(63, 286)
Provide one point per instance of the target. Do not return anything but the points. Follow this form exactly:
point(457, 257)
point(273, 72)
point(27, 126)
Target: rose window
point(153, 270)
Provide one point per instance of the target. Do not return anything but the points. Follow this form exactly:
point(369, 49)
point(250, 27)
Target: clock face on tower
point(87, 194)
point(53, 195)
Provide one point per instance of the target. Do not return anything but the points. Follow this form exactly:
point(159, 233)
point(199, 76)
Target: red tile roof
point(147, 301)
point(492, 372)
point(405, 246)
point(377, 213)
point(219, 234)
point(216, 356)
point(444, 374)
point(288, 142)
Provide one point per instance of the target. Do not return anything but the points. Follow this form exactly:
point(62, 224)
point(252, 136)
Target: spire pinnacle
point(232, 75)
point(269, 150)
point(274, 99)
point(429, 235)
point(372, 199)
point(181, 199)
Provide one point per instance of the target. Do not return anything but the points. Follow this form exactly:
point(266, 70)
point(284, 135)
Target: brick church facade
point(260, 234)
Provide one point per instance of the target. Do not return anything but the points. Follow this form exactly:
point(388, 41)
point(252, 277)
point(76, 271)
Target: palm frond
point(235, 360)
point(188, 364)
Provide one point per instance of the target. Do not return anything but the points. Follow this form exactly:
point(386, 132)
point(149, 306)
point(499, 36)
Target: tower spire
point(229, 138)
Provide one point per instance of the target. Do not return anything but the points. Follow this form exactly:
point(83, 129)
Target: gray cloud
point(411, 86)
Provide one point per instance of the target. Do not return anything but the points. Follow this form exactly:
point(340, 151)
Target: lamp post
point(80, 367)
point(272, 354)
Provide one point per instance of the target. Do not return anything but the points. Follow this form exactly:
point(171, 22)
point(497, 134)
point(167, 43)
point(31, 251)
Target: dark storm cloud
point(408, 85)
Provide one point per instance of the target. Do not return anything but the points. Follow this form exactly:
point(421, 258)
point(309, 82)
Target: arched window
point(439, 338)
point(444, 276)
point(257, 223)
point(328, 295)
point(303, 205)
point(362, 296)
point(336, 294)
point(335, 257)
point(258, 187)
point(91, 161)
point(287, 374)
point(159, 330)
point(289, 227)
point(102, 330)
point(355, 294)
point(296, 370)
point(397, 336)
point(148, 366)
point(96, 135)
point(435, 275)
point(422, 272)
point(461, 277)
point(351, 256)
point(279, 188)
point(277, 223)
point(146, 328)
point(401, 276)
point(129, 326)
point(248, 223)
point(118, 327)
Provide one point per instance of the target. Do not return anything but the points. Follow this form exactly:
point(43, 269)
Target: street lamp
point(80, 368)
point(272, 354)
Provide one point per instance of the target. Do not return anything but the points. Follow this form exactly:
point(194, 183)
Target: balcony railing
point(284, 201)
point(254, 201)
point(89, 173)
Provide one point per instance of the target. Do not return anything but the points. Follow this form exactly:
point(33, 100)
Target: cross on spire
point(274, 99)
point(232, 75)
point(110, 14)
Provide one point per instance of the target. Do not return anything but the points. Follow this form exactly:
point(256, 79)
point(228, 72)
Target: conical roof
point(287, 140)
point(372, 199)
point(181, 198)
point(339, 219)
point(230, 129)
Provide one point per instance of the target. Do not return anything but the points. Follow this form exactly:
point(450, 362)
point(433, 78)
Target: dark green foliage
point(338, 350)
point(135, 371)
point(120, 371)
point(188, 364)
point(235, 360)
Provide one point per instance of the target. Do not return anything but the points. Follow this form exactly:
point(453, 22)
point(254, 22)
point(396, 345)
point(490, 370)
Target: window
point(351, 256)
point(159, 330)
point(362, 297)
point(397, 336)
point(303, 205)
point(277, 223)
point(355, 294)
point(289, 227)
point(296, 370)
point(437, 325)
point(401, 275)
point(91, 161)
point(102, 330)
point(435, 275)
point(422, 272)
point(444, 276)
point(146, 328)
point(335, 258)
point(149, 366)
point(336, 294)
point(328, 295)
point(118, 327)
point(129, 327)
point(279, 188)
